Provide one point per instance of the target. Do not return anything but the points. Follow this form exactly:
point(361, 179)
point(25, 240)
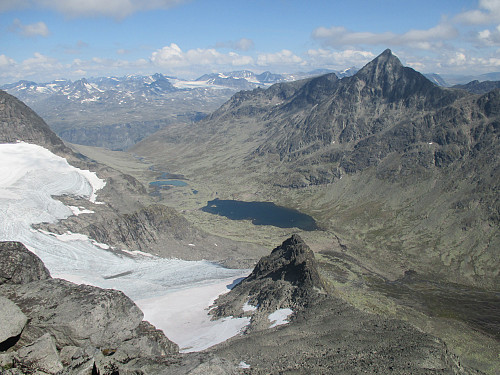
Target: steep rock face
point(20, 123)
point(12, 321)
point(293, 261)
point(287, 278)
point(380, 96)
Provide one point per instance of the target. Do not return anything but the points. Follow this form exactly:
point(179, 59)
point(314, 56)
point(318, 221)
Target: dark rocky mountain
point(477, 87)
point(287, 278)
point(396, 166)
point(20, 123)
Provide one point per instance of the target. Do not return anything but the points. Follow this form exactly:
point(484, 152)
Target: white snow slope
point(174, 294)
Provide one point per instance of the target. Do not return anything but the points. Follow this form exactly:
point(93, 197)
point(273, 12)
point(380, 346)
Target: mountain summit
point(394, 81)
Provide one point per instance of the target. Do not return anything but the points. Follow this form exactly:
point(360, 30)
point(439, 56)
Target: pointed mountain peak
point(385, 63)
point(387, 52)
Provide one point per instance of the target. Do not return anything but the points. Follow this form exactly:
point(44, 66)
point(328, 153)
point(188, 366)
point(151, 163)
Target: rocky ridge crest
point(287, 278)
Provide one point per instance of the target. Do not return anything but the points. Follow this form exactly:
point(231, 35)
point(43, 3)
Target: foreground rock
point(70, 326)
point(12, 321)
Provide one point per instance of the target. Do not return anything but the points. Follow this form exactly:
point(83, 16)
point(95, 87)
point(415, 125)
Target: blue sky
point(42, 40)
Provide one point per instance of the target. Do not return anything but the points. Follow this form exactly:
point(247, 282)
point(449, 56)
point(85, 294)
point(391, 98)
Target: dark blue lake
point(261, 213)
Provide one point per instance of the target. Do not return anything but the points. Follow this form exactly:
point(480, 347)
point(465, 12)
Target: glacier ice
point(31, 175)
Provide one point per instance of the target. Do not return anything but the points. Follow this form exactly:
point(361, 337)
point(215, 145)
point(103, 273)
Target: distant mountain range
point(117, 112)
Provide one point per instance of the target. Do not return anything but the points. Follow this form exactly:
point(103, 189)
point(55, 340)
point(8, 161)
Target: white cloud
point(6, 62)
point(489, 37)
point(85, 8)
point(488, 12)
point(283, 57)
point(339, 36)
point(31, 30)
point(173, 57)
point(338, 59)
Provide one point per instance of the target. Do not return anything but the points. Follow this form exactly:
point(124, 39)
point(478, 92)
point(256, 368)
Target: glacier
point(174, 294)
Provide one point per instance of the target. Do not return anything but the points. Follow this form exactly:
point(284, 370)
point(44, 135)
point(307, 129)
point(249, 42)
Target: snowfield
point(174, 294)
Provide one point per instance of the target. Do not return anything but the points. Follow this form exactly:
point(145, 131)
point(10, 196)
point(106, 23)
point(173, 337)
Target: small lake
point(261, 213)
point(167, 183)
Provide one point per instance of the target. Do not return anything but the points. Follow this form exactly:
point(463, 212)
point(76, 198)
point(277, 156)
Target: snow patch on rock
point(279, 317)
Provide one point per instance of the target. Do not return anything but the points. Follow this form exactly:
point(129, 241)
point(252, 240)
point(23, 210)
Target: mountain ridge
point(420, 150)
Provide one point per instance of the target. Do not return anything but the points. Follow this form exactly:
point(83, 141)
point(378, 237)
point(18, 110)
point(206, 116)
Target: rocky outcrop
point(287, 278)
point(325, 334)
point(20, 266)
point(20, 123)
point(41, 355)
point(155, 229)
point(53, 324)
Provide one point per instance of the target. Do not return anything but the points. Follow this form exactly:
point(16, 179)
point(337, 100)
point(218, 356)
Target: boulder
point(12, 322)
point(77, 315)
point(41, 355)
point(18, 265)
